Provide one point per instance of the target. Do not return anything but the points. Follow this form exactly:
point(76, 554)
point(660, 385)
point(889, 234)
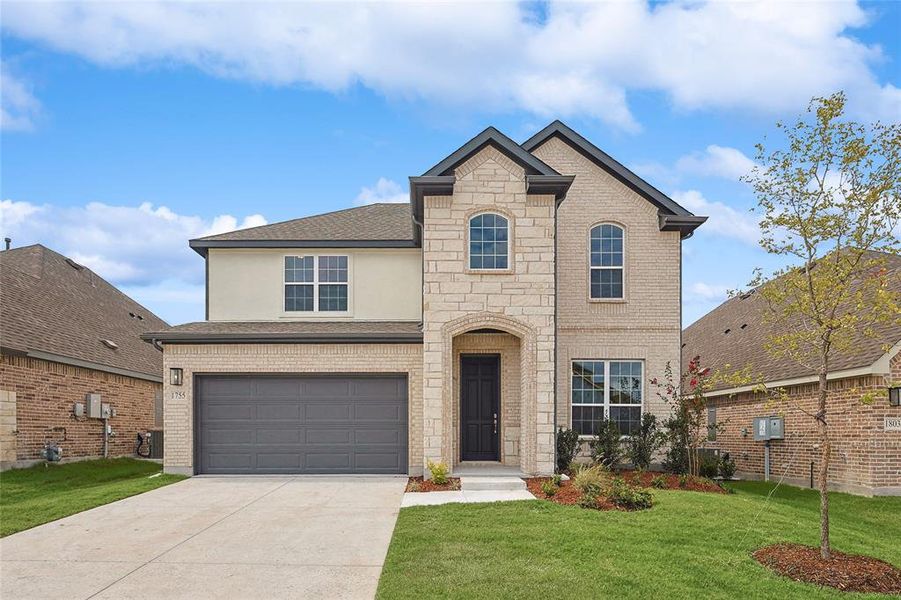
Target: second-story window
point(316, 284)
point(606, 267)
point(488, 242)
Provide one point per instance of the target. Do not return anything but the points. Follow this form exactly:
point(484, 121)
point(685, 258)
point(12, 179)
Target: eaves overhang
point(685, 225)
point(280, 338)
point(202, 246)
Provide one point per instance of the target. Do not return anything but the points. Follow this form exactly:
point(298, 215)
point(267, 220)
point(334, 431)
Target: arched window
point(488, 242)
point(606, 267)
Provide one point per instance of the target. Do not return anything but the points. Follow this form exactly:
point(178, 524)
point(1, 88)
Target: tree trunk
point(825, 552)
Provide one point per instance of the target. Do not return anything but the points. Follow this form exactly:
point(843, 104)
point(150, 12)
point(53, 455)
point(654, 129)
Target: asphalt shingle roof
point(382, 222)
point(743, 345)
point(53, 305)
point(298, 331)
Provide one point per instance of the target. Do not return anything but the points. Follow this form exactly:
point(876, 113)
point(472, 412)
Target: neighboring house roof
point(55, 309)
point(382, 225)
point(743, 346)
point(673, 217)
point(290, 331)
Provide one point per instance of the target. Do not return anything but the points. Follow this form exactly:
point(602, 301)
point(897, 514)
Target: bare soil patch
point(419, 484)
point(845, 572)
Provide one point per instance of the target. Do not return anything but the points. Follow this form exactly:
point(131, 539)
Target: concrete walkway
point(482, 486)
point(228, 537)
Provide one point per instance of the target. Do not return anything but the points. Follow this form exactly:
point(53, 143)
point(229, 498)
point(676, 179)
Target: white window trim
point(469, 267)
point(315, 283)
point(621, 268)
point(606, 403)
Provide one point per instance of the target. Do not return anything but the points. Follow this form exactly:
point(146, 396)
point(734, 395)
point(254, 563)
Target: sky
point(127, 129)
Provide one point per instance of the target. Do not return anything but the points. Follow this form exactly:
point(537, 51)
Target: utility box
point(105, 411)
point(92, 403)
point(78, 410)
point(769, 428)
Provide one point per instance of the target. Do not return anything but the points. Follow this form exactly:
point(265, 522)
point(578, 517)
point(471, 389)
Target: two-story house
point(524, 286)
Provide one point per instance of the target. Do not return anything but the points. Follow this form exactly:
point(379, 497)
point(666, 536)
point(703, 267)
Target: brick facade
point(45, 393)
point(865, 458)
point(519, 301)
point(646, 324)
point(178, 401)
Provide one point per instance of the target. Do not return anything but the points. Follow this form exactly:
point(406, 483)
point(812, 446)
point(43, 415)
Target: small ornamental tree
point(687, 425)
point(830, 199)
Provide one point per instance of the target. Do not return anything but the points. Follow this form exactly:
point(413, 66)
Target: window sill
point(470, 271)
point(300, 315)
point(607, 301)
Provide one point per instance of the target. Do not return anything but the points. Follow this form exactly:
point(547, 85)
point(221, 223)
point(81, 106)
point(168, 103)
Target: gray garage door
point(301, 424)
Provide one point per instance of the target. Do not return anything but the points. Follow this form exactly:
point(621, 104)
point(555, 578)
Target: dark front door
point(480, 388)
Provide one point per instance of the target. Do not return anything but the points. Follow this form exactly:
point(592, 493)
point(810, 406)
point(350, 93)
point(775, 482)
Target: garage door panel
point(340, 412)
point(228, 412)
point(302, 424)
point(267, 411)
point(329, 436)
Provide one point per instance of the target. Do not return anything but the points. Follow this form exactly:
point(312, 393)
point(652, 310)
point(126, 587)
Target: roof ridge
point(331, 212)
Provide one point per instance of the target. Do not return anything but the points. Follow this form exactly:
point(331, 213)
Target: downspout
point(556, 331)
point(422, 268)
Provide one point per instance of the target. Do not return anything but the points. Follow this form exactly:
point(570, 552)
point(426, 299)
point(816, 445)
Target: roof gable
point(666, 205)
point(491, 136)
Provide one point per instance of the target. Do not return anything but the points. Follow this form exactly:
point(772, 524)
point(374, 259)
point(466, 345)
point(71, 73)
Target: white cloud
point(18, 106)
point(723, 220)
point(142, 247)
point(582, 60)
point(384, 190)
point(707, 291)
point(716, 161)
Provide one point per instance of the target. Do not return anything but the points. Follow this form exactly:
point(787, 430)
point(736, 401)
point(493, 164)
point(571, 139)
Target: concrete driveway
point(214, 537)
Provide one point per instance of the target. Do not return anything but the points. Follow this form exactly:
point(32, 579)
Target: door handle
point(495, 422)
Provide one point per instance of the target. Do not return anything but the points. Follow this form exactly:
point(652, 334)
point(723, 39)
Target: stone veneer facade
point(518, 301)
point(865, 458)
point(646, 324)
point(281, 358)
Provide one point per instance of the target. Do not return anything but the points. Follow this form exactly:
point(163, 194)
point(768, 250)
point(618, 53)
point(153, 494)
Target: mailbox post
point(766, 429)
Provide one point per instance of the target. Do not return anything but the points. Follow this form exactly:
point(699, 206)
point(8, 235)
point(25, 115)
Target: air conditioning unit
point(156, 444)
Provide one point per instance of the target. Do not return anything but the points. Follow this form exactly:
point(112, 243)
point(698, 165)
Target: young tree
point(829, 200)
point(686, 427)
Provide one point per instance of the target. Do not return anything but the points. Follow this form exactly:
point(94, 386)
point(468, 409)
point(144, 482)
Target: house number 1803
point(178, 395)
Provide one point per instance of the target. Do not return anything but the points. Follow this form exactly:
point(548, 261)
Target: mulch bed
point(845, 572)
point(566, 495)
point(693, 484)
point(418, 484)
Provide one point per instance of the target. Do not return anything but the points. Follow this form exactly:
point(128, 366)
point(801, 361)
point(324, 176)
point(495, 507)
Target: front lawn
point(688, 544)
point(30, 497)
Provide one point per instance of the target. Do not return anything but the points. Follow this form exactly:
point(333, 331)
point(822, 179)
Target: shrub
point(676, 435)
point(590, 480)
point(709, 467)
point(606, 447)
point(567, 447)
point(439, 472)
point(636, 478)
point(557, 479)
point(683, 480)
point(415, 486)
point(727, 466)
point(642, 444)
point(659, 482)
point(588, 501)
point(549, 488)
point(629, 497)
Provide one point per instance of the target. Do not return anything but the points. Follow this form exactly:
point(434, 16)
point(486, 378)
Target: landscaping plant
point(687, 427)
point(642, 444)
point(439, 472)
point(659, 482)
point(549, 487)
point(567, 448)
point(590, 480)
point(710, 467)
point(727, 466)
point(830, 201)
point(629, 497)
point(606, 447)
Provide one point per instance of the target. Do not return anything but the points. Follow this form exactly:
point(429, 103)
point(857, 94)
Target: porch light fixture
point(894, 396)
point(175, 376)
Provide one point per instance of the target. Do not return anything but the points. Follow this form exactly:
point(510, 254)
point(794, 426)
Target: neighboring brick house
point(865, 436)
point(65, 333)
point(523, 287)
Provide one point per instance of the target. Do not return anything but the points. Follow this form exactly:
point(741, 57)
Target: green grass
point(688, 544)
point(30, 497)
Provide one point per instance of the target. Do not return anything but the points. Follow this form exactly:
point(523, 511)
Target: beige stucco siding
point(248, 284)
point(645, 325)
